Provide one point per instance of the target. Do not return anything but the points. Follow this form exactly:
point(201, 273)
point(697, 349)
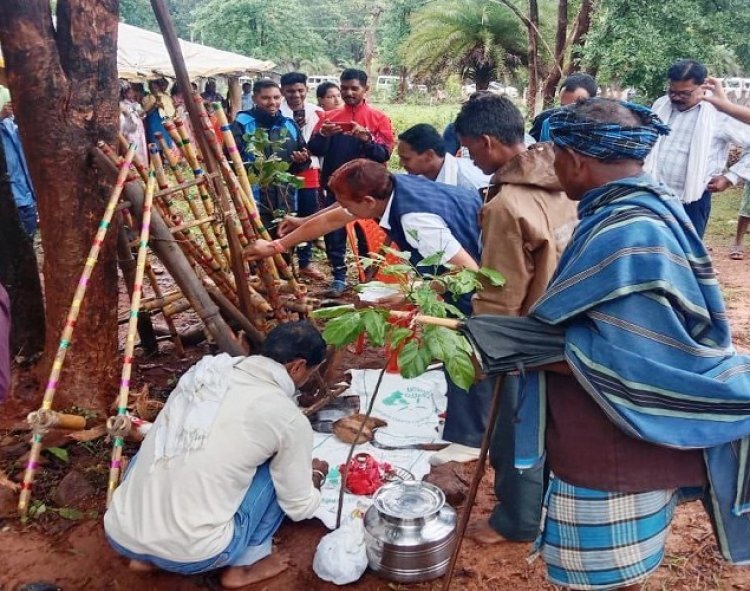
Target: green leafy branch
point(267, 167)
point(424, 290)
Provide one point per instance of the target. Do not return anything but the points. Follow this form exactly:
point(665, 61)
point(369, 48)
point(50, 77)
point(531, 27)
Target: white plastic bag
point(341, 557)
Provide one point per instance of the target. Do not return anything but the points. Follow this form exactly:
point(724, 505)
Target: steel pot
point(410, 532)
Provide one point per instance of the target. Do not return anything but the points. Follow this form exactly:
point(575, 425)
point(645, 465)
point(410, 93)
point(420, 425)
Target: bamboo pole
point(127, 364)
point(139, 166)
point(67, 333)
point(175, 54)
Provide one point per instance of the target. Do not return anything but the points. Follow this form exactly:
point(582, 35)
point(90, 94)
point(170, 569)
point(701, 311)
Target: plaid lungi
point(745, 203)
point(603, 540)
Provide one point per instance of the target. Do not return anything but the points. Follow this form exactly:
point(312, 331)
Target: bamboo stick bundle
point(67, 333)
point(203, 187)
point(208, 232)
point(196, 253)
point(139, 166)
point(174, 165)
point(116, 427)
point(247, 190)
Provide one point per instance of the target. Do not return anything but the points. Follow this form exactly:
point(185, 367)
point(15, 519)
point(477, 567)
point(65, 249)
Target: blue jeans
point(698, 212)
point(467, 413)
point(307, 204)
point(256, 521)
point(335, 245)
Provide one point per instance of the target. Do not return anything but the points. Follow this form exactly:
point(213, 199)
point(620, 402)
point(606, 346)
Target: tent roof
point(142, 54)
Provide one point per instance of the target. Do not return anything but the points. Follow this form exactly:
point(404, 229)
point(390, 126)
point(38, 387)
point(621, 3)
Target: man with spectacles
point(692, 159)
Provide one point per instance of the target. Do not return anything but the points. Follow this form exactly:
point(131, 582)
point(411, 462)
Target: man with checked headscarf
point(651, 397)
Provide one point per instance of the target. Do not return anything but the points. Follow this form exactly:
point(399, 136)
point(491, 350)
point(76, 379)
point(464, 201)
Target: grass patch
point(723, 223)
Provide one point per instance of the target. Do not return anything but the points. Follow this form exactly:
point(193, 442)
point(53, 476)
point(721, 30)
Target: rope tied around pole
point(119, 426)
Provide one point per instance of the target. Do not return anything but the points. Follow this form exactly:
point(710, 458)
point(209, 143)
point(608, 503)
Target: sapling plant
point(268, 173)
point(422, 289)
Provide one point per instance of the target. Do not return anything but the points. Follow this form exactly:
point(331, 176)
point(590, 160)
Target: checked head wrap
point(606, 141)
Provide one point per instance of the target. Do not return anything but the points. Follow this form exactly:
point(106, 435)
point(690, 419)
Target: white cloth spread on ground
point(410, 407)
point(181, 507)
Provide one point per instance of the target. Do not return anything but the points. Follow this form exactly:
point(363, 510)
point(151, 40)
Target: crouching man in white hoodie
point(228, 457)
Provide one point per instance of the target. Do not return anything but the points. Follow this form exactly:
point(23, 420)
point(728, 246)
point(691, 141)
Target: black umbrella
point(509, 343)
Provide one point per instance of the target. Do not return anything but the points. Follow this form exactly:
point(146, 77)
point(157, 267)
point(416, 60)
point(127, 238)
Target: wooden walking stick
point(67, 333)
point(475, 480)
point(119, 426)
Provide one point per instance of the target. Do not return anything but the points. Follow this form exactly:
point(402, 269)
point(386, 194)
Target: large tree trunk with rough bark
point(64, 86)
point(19, 275)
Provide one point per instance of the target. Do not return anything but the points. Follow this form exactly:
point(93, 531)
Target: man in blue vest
point(18, 170)
point(266, 115)
point(425, 218)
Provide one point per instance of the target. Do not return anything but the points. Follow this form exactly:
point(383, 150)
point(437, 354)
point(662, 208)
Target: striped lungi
point(603, 540)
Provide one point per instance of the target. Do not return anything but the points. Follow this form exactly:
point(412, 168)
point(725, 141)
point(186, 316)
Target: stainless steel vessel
point(410, 532)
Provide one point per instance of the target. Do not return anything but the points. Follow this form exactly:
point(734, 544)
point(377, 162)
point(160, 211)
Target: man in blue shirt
point(266, 115)
point(18, 170)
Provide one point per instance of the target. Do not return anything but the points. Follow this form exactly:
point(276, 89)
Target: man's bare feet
point(236, 577)
point(141, 567)
point(482, 533)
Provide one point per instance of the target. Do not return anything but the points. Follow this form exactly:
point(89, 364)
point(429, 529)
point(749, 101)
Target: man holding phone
point(353, 131)
point(306, 115)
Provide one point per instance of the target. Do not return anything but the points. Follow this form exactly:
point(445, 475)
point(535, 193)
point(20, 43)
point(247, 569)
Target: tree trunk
point(20, 275)
point(533, 28)
point(582, 27)
point(64, 87)
point(555, 73)
point(370, 40)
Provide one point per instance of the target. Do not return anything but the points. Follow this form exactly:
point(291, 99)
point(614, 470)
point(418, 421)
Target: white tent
point(142, 54)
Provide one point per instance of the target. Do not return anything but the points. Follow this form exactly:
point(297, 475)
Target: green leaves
point(413, 360)
point(495, 278)
point(375, 325)
point(331, 312)
point(60, 453)
point(344, 329)
point(461, 370)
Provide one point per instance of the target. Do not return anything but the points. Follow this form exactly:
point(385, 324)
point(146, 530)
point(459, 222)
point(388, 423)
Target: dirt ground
point(73, 553)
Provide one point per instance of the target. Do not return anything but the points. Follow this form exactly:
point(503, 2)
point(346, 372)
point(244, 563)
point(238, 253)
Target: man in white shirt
point(228, 456)
point(306, 115)
point(692, 159)
point(421, 150)
point(247, 97)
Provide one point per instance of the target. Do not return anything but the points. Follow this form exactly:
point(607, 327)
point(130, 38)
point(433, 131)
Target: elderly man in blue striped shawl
point(652, 400)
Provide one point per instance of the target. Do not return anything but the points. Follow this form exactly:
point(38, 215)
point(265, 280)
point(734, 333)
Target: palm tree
point(478, 39)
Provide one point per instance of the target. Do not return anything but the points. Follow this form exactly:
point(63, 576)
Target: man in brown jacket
point(526, 223)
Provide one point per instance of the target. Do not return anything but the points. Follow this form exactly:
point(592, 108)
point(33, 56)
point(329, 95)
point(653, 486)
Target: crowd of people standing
point(598, 228)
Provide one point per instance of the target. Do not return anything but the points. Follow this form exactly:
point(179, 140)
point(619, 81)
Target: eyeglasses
point(685, 94)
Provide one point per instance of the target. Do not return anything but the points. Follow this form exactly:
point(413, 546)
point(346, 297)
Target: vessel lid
point(409, 499)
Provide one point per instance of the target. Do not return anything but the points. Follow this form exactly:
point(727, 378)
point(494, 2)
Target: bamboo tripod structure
point(67, 333)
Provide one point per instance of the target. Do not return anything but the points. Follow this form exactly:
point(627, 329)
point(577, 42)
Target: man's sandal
point(737, 253)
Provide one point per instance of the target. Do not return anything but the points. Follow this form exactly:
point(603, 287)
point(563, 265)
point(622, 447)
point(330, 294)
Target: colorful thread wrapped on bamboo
point(70, 322)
